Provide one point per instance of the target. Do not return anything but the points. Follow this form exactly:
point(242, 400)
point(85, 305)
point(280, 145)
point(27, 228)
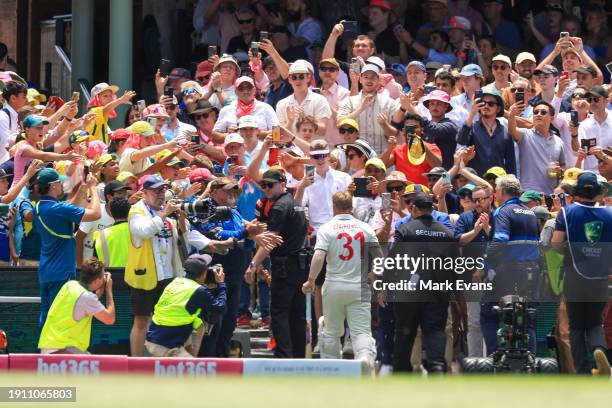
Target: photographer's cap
point(274, 176)
point(197, 263)
point(153, 182)
point(224, 183)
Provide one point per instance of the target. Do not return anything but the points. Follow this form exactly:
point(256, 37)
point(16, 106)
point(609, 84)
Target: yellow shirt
point(98, 128)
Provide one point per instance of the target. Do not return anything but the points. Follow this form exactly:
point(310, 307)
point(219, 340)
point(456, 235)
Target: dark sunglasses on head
point(266, 184)
point(347, 130)
point(297, 77)
point(395, 189)
point(592, 99)
point(319, 156)
point(247, 21)
point(489, 103)
point(578, 96)
point(328, 69)
point(542, 112)
point(199, 116)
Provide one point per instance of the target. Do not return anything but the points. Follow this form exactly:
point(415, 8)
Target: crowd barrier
point(96, 365)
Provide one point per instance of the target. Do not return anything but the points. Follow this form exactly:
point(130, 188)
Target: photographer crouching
point(177, 327)
point(224, 193)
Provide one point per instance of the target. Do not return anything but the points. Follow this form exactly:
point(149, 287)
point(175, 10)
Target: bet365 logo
point(592, 231)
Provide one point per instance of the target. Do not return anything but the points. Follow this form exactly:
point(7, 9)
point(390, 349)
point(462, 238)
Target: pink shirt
point(335, 96)
point(20, 163)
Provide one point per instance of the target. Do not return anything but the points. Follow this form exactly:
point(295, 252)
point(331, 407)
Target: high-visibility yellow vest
point(140, 270)
point(170, 309)
point(60, 329)
point(113, 243)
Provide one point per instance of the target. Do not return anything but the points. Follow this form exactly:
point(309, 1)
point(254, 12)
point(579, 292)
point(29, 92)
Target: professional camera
point(512, 355)
point(206, 210)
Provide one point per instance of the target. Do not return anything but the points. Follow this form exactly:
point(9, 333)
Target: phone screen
point(309, 170)
point(361, 190)
point(263, 35)
point(164, 67)
point(212, 50)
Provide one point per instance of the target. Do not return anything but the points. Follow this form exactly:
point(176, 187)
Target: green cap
point(48, 176)
point(530, 195)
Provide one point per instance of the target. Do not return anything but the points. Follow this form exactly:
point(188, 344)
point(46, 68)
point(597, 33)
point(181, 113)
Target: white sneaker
point(602, 363)
point(385, 370)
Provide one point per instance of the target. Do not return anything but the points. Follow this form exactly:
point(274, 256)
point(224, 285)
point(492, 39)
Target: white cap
point(298, 68)
point(233, 138)
point(502, 58)
point(247, 121)
point(370, 67)
point(525, 56)
point(307, 63)
point(376, 61)
point(101, 87)
point(244, 79)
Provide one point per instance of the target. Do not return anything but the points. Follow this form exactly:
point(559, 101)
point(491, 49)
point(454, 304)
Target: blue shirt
point(273, 96)
point(57, 254)
point(436, 215)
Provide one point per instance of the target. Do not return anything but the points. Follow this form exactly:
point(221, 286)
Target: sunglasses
point(465, 195)
point(199, 116)
point(592, 99)
point(500, 67)
point(189, 91)
point(247, 21)
point(319, 156)
point(204, 78)
point(542, 112)
point(347, 130)
point(578, 96)
point(395, 189)
point(480, 199)
point(328, 69)
point(489, 103)
point(266, 185)
point(433, 177)
point(297, 77)
point(283, 145)
point(514, 90)
point(560, 196)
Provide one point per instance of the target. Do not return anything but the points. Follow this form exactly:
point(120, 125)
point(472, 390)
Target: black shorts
point(143, 301)
point(321, 277)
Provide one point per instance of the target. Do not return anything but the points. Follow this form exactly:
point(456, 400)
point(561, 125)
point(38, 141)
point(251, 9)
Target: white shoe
point(385, 370)
point(348, 346)
point(602, 363)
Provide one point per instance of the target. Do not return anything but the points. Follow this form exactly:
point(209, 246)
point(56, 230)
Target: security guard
point(588, 232)
point(512, 256)
point(421, 305)
point(177, 328)
point(285, 217)
point(111, 243)
point(67, 329)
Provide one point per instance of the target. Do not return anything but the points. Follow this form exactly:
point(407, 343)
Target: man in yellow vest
point(111, 243)
point(177, 328)
point(67, 329)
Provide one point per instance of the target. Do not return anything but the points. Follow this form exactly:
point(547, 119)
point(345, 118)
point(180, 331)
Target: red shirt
point(413, 172)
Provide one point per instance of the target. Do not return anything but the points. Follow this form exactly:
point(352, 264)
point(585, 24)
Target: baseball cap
point(502, 58)
point(570, 175)
point(34, 96)
point(547, 69)
point(274, 176)
point(381, 4)
point(330, 61)
point(298, 68)
point(247, 121)
point(423, 200)
point(121, 134)
point(415, 188)
point(418, 64)
point(152, 182)
point(376, 162)
point(195, 264)
point(525, 56)
point(587, 180)
point(555, 7)
point(460, 23)
point(370, 68)
point(244, 79)
point(495, 171)
point(598, 91)
point(178, 73)
point(349, 122)
point(318, 146)
point(433, 66)
point(3, 174)
point(165, 153)
point(142, 128)
point(125, 175)
point(34, 120)
point(468, 188)
point(587, 69)
point(104, 159)
point(113, 186)
point(223, 183)
point(376, 61)
point(471, 69)
point(101, 87)
point(47, 176)
point(199, 174)
point(155, 111)
point(530, 195)
point(202, 105)
point(317, 44)
point(227, 58)
point(397, 68)
point(436, 171)
point(541, 212)
point(204, 69)
point(233, 138)
point(78, 136)
point(490, 90)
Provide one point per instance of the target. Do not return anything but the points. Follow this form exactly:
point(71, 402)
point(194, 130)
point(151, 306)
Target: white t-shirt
point(318, 196)
point(89, 227)
point(126, 164)
point(345, 239)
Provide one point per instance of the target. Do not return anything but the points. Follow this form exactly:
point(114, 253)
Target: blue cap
point(417, 64)
point(469, 187)
point(34, 120)
point(47, 176)
point(586, 179)
point(471, 69)
point(397, 69)
point(153, 182)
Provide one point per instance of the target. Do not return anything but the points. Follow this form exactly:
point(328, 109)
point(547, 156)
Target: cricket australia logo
point(592, 231)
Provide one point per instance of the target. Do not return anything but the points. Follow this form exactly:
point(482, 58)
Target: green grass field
point(323, 392)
